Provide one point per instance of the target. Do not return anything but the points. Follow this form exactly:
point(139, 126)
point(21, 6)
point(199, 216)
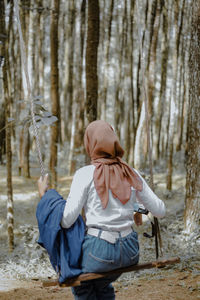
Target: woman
point(107, 190)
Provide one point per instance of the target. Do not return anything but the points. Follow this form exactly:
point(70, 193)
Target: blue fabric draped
point(63, 245)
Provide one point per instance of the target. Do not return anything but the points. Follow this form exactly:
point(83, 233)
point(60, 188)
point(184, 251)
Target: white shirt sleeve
point(76, 198)
point(150, 201)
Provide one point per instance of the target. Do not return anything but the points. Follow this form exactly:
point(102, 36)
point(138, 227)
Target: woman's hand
point(138, 218)
point(42, 185)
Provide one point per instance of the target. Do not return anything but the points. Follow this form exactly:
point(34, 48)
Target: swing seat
point(75, 281)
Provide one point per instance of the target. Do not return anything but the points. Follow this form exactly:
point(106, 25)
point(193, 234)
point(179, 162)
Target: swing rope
point(149, 146)
point(28, 83)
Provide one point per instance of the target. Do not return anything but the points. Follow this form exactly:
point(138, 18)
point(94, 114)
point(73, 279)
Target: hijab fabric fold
point(111, 172)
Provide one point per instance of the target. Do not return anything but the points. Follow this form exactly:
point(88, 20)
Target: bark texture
point(91, 60)
point(192, 201)
point(54, 91)
point(7, 99)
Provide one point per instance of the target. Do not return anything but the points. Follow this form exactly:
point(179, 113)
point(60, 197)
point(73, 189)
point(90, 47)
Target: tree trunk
point(133, 100)
point(162, 92)
point(7, 97)
point(2, 132)
point(173, 105)
point(91, 60)
point(192, 201)
point(26, 149)
point(69, 69)
point(106, 63)
point(54, 90)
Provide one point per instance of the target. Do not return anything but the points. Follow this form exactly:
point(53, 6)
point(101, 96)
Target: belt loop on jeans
point(99, 234)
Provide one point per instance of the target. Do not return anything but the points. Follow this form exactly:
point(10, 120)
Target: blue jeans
point(102, 256)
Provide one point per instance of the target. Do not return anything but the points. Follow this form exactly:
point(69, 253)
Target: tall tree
point(69, 67)
point(162, 91)
point(54, 89)
point(2, 132)
point(7, 98)
point(192, 201)
point(91, 60)
point(107, 50)
point(173, 98)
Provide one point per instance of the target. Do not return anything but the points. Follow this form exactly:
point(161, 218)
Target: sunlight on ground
point(20, 196)
point(11, 284)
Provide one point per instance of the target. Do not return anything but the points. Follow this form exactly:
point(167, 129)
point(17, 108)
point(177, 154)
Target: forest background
point(91, 60)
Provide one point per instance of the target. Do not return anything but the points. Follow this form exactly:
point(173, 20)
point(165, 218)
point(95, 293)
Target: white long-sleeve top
point(116, 216)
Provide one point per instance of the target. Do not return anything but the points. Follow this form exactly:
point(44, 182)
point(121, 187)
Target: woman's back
point(116, 216)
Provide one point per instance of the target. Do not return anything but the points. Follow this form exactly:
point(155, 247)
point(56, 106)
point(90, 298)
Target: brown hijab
point(111, 172)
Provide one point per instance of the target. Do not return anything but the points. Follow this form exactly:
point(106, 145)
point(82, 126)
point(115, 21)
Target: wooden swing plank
point(75, 281)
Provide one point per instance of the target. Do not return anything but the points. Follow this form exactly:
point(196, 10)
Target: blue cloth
point(63, 245)
point(102, 256)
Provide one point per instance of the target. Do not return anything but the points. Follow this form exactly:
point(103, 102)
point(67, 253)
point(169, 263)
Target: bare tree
point(162, 91)
point(7, 98)
point(68, 87)
point(192, 201)
point(54, 90)
point(91, 60)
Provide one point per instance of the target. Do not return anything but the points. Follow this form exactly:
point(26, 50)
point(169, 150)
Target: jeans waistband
point(109, 236)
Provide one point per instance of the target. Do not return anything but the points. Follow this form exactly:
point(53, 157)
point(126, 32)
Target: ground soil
point(171, 286)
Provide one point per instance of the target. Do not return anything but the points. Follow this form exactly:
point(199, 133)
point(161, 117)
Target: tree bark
point(106, 63)
point(91, 60)
point(7, 97)
point(2, 132)
point(68, 86)
point(192, 201)
point(173, 105)
point(162, 92)
point(26, 149)
point(54, 90)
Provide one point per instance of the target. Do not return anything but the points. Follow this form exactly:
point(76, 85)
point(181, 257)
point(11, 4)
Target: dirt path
point(170, 286)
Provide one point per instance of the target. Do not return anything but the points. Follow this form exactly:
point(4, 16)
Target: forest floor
point(22, 271)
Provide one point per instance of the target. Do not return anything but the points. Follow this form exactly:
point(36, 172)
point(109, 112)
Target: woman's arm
point(77, 197)
point(43, 185)
point(150, 201)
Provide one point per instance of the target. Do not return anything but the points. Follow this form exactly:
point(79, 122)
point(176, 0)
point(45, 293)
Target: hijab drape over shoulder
point(111, 172)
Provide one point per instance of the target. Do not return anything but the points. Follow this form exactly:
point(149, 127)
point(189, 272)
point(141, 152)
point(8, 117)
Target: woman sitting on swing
point(107, 190)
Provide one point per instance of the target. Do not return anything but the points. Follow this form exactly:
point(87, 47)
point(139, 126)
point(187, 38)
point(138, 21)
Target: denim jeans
point(102, 256)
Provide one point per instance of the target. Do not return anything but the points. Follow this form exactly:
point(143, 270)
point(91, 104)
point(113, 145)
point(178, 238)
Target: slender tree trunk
point(183, 78)
point(26, 163)
point(133, 100)
point(54, 90)
point(81, 94)
point(162, 92)
point(7, 97)
point(192, 201)
point(69, 69)
point(173, 116)
point(106, 79)
point(41, 52)
point(91, 60)
point(182, 101)
point(20, 154)
point(2, 132)
point(119, 108)
point(71, 161)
